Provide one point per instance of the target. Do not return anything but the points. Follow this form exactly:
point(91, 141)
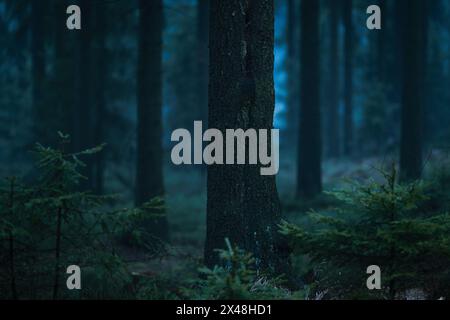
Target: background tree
point(38, 31)
point(63, 76)
point(437, 97)
point(101, 58)
point(412, 93)
point(291, 67)
point(185, 93)
point(85, 95)
point(242, 205)
point(309, 172)
point(202, 55)
point(332, 100)
point(347, 7)
point(149, 171)
point(381, 43)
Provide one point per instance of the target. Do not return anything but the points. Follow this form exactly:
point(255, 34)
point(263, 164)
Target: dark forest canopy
point(89, 101)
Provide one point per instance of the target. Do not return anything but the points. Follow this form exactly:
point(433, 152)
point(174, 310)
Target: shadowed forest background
point(86, 118)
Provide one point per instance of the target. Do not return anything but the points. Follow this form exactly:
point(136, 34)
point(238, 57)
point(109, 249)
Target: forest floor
point(186, 202)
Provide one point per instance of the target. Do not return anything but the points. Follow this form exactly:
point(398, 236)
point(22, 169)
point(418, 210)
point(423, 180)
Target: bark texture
point(242, 205)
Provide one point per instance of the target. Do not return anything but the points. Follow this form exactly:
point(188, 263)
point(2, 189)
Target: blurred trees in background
point(94, 70)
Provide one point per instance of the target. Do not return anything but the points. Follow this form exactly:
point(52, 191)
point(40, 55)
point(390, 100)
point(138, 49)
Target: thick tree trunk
point(332, 129)
point(348, 76)
point(149, 171)
point(242, 205)
point(309, 173)
point(412, 94)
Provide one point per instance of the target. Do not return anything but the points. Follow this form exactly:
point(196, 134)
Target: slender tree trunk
point(38, 70)
point(62, 100)
point(309, 173)
point(202, 67)
point(101, 57)
point(397, 9)
point(57, 252)
point(149, 172)
point(292, 71)
point(242, 205)
point(333, 83)
point(202, 38)
point(348, 76)
point(436, 76)
point(381, 62)
point(84, 115)
point(412, 93)
point(12, 262)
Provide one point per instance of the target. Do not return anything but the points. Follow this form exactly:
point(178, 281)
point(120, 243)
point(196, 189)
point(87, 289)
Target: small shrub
point(378, 224)
point(236, 280)
point(49, 224)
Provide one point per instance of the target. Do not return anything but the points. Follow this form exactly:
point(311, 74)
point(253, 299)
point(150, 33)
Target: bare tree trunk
point(412, 99)
point(38, 70)
point(309, 173)
point(348, 76)
point(100, 95)
point(12, 262)
point(84, 114)
point(149, 172)
point(292, 69)
point(333, 141)
point(202, 38)
point(242, 205)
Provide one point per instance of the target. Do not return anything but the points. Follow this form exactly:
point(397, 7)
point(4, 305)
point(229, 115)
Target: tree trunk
point(202, 67)
point(100, 95)
point(62, 100)
point(348, 76)
point(83, 126)
point(333, 83)
point(149, 171)
point(381, 63)
point(242, 205)
point(412, 93)
point(38, 70)
point(202, 38)
point(309, 173)
point(292, 71)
